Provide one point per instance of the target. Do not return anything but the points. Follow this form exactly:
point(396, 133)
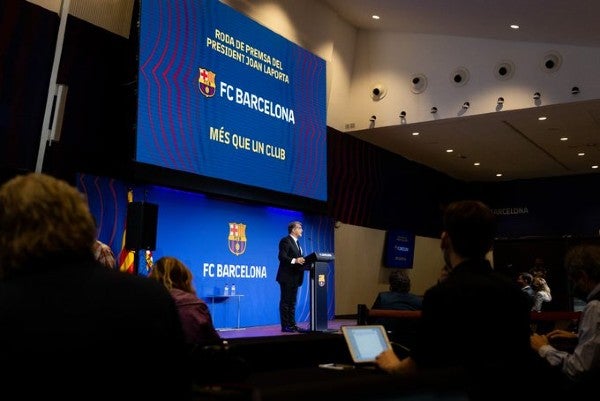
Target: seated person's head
point(524, 279)
point(172, 273)
point(539, 284)
point(582, 263)
point(42, 220)
point(399, 281)
point(469, 228)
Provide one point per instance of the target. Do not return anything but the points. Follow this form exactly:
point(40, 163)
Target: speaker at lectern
point(317, 263)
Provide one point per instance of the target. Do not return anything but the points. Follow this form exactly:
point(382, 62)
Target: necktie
point(298, 246)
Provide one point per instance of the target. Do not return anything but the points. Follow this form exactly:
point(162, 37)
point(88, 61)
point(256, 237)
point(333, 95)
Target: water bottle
point(232, 289)
point(226, 290)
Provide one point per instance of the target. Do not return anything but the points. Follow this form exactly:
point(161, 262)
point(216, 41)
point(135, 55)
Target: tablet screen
point(365, 342)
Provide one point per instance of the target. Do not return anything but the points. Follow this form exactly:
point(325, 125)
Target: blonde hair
point(172, 273)
point(42, 217)
point(539, 284)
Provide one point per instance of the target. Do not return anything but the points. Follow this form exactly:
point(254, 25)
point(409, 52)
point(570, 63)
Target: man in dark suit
point(290, 276)
point(524, 281)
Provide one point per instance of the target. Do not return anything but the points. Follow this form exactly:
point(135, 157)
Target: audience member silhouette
point(72, 329)
point(195, 316)
point(524, 281)
point(581, 368)
point(474, 330)
point(399, 297)
point(541, 295)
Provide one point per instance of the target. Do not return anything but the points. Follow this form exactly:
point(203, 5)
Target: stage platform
point(275, 330)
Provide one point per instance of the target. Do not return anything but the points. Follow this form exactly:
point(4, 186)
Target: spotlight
point(402, 114)
point(500, 100)
point(575, 90)
point(466, 105)
point(537, 96)
point(433, 110)
point(373, 118)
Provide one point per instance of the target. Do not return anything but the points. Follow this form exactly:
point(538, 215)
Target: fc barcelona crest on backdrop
point(207, 82)
point(237, 238)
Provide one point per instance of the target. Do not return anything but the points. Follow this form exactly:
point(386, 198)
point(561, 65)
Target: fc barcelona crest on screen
point(237, 238)
point(207, 83)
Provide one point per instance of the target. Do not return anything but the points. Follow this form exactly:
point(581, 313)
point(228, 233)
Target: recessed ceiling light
point(595, 166)
point(449, 150)
point(499, 175)
point(514, 26)
point(415, 133)
point(581, 154)
point(375, 16)
point(564, 138)
point(476, 164)
point(542, 118)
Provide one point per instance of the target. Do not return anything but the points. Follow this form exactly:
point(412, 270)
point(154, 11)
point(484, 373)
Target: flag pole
point(136, 262)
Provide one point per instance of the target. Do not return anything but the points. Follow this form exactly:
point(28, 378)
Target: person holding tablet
point(474, 329)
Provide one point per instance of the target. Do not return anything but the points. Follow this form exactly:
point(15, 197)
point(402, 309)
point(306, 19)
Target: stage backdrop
point(196, 229)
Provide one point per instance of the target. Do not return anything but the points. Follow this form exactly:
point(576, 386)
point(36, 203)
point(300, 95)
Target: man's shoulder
point(286, 239)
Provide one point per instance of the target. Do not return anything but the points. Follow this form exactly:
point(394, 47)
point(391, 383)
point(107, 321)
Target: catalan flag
point(127, 257)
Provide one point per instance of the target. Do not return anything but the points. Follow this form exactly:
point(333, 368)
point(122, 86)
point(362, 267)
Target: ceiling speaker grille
point(551, 62)
point(460, 76)
point(504, 70)
point(418, 83)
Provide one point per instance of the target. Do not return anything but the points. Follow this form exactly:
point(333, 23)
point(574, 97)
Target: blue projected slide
point(224, 97)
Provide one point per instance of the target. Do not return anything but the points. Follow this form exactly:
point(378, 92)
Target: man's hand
point(561, 335)
point(300, 260)
point(389, 362)
point(537, 341)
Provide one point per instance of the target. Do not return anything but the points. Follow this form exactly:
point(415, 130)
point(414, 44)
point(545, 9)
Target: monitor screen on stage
point(221, 96)
point(399, 248)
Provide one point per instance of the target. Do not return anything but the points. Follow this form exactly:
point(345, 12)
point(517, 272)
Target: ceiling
point(513, 143)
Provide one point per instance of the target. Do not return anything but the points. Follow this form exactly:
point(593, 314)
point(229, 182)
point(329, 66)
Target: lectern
point(317, 263)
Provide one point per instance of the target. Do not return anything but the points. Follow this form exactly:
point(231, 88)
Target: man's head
point(42, 218)
point(295, 229)
point(524, 279)
point(582, 263)
point(469, 230)
point(399, 281)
